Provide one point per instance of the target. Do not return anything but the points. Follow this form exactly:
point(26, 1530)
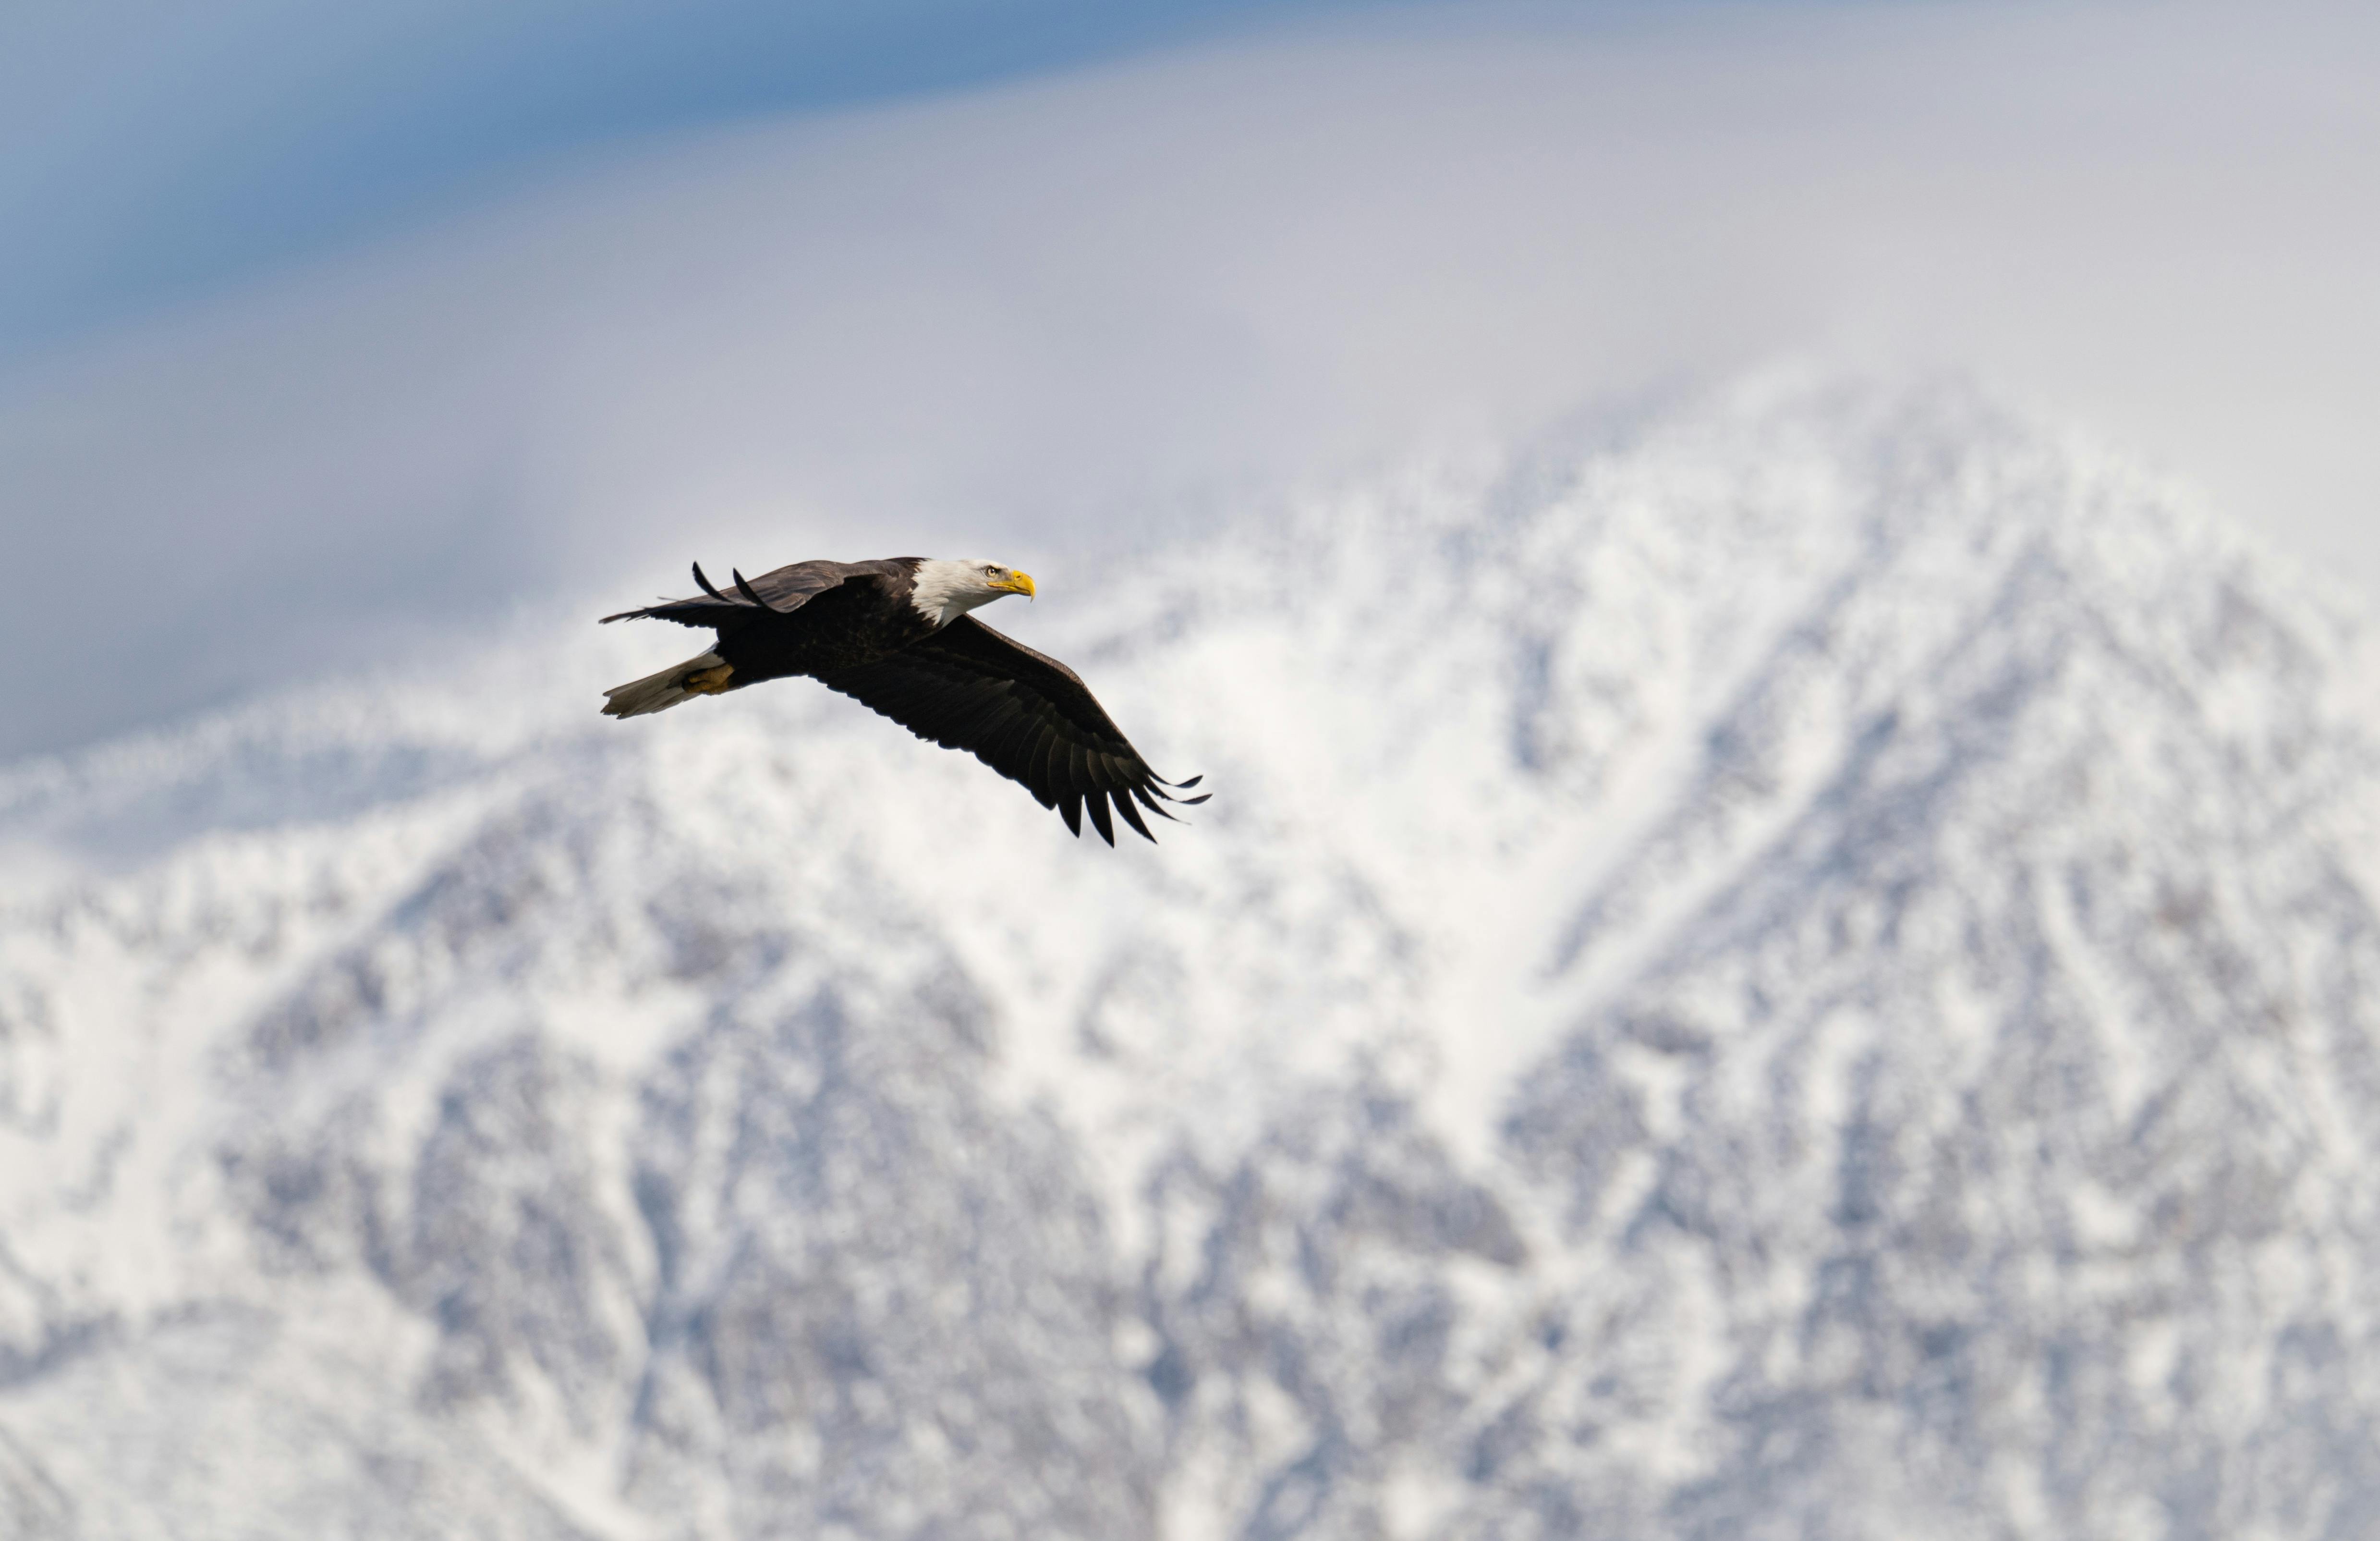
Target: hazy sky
point(1091, 289)
point(150, 151)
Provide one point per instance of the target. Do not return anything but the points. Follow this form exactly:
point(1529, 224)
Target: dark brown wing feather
point(1024, 713)
point(784, 590)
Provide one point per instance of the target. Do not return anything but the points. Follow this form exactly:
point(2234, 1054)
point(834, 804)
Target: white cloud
point(1087, 304)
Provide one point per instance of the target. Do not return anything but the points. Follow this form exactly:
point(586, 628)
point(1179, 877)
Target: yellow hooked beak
point(1017, 583)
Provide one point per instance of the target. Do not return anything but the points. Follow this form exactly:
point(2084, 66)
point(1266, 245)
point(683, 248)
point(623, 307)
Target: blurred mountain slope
point(1802, 966)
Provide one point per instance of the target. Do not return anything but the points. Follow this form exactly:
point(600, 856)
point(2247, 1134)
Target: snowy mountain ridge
point(1805, 970)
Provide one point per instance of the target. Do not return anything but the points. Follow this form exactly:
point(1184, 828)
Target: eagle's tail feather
point(658, 692)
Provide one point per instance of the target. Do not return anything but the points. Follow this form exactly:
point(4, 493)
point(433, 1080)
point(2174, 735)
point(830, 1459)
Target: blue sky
point(150, 151)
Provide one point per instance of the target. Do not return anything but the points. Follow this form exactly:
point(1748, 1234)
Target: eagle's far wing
point(750, 599)
point(1024, 713)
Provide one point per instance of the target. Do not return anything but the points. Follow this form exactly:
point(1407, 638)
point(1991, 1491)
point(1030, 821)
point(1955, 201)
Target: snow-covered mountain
point(1807, 967)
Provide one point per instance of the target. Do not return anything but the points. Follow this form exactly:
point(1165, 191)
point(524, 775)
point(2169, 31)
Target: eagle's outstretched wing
point(1024, 713)
point(748, 599)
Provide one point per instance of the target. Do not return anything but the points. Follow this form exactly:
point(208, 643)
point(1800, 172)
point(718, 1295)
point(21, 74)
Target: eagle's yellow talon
point(710, 682)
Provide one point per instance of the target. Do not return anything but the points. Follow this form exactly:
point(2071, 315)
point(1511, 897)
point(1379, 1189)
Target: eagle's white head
point(947, 590)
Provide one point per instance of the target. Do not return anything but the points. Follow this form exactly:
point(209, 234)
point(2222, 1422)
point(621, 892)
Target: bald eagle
point(895, 635)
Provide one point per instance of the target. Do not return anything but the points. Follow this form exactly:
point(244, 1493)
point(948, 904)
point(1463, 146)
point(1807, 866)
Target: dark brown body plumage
point(854, 627)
